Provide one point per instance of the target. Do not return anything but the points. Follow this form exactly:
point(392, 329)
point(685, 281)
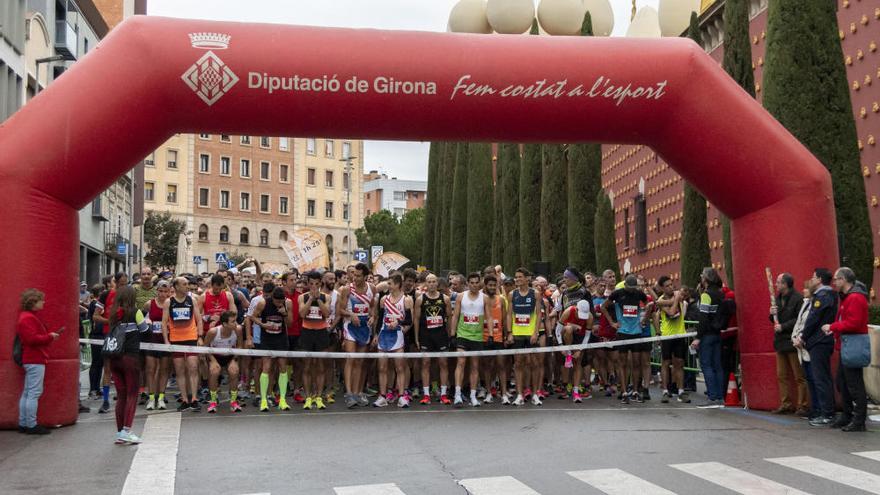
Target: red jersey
point(570, 317)
point(215, 305)
point(295, 328)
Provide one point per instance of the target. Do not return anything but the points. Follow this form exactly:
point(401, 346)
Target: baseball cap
point(583, 309)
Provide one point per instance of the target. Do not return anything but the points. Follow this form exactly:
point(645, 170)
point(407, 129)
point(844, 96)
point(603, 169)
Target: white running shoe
point(519, 401)
point(488, 399)
point(536, 400)
point(160, 404)
point(403, 401)
point(380, 402)
point(481, 392)
point(505, 399)
point(458, 402)
point(150, 405)
point(132, 438)
point(475, 402)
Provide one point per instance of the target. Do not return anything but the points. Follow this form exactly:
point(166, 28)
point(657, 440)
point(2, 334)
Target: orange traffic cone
point(732, 397)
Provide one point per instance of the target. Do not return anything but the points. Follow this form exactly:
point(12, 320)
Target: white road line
point(154, 466)
point(872, 454)
point(618, 482)
point(506, 485)
point(831, 471)
point(383, 489)
point(735, 479)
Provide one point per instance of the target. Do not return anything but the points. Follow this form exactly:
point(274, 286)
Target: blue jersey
point(627, 304)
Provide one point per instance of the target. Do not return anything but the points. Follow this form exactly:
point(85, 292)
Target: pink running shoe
point(568, 363)
point(212, 407)
point(527, 393)
point(234, 406)
point(576, 397)
point(391, 396)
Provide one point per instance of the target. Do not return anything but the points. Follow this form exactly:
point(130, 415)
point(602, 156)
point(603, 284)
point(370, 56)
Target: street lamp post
point(348, 167)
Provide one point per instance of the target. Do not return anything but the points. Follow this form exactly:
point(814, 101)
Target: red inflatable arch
point(152, 77)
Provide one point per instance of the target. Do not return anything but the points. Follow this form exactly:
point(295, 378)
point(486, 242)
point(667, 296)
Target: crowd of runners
point(356, 311)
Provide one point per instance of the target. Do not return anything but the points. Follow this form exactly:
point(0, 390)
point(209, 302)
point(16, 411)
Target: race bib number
point(630, 311)
point(470, 318)
point(522, 320)
point(156, 326)
point(361, 309)
point(181, 314)
point(314, 313)
point(434, 321)
point(390, 321)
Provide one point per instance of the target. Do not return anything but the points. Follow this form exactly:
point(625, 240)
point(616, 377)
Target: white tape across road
point(395, 355)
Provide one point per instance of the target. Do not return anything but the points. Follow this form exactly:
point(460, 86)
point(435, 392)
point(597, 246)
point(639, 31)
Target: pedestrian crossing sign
point(220, 258)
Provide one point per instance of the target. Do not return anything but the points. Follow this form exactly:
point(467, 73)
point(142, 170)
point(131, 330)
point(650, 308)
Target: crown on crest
point(217, 41)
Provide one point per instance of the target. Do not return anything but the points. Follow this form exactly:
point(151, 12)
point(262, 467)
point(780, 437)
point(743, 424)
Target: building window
point(224, 200)
point(264, 237)
point(346, 181)
point(626, 228)
point(203, 232)
point(265, 173)
point(283, 144)
point(399, 195)
point(264, 203)
point(245, 202)
point(328, 178)
point(369, 195)
point(246, 140)
point(345, 211)
point(310, 207)
point(265, 142)
point(328, 148)
point(641, 223)
point(172, 158)
point(204, 197)
point(245, 169)
point(224, 234)
point(346, 150)
point(204, 136)
point(244, 236)
point(149, 191)
point(400, 212)
point(284, 173)
point(225, 165)
point(149, 161)
point(282, 205)
point(311, 177)
point(328, 209)
point(171, 197)
point(282, 236)
point(204, 163)
point(415, 195)
point(224, 138)
point(310, 147)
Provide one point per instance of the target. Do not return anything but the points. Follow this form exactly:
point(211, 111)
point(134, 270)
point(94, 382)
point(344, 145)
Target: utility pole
point(348, 169)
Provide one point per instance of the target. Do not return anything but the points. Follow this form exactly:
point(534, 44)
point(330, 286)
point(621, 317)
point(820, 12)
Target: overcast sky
point(405, 160)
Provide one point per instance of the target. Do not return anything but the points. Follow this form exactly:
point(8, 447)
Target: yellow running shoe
point(282, 405)
point(319, 402)
point(330, 399)
point(264, 406)
point(308, 404)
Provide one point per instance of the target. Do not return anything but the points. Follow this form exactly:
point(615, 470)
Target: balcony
point(100, 209)
point(65, 39)
point(112, 241)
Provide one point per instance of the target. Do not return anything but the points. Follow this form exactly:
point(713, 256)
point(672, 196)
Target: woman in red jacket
point(35, 340)
point(852, 317)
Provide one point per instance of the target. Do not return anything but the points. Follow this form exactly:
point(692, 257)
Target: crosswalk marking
point(154, 465)
point(834, 472)
point(735, 479)
point(618, 482)
point(507, 485)
point(871, 454)
point(382, 489)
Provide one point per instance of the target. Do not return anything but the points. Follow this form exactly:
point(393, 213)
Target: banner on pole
point(306, 250)
point(388, 262)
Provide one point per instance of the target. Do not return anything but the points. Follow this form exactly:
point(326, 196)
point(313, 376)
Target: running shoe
point(493, 390)
point(371, 391)
point(519, 401)
point(150, 405)
point(264, 405)
point(576, 397)
point(569, 387)
point(273, 401)
point(380, 402)
point(160, 404)
point(505, 399)
point(403, 402)
point(416, 392)
point(330, 398)
point(608, 392)
point(445, 400)
point(481, 393)
point(563, 395)
point(282, 405)
point(350, 401)
point(243, 394)
point(362, 400)
point(256, 402)
point(391, 396)
point(319, 402)
point(568, 362)
point(588, 394)
point(542, 394)
point(426, 400)
point(121, 435)
point(638, 398)
point(131, 438)
point(527, 393)
point(435, 389)
point(308, 405)
point(458, 402)
point(142, 399)
point(212, 407)
point(536, 401)
point(298, 398)
point(684, 397)
point(624, 399)
point(557, 389)
point(665, 398)
point(105, 408)
point(646, 395)
point(489, 399)
point(475, 402)
point(234, 406)
point(183, 406)
point(195, 406)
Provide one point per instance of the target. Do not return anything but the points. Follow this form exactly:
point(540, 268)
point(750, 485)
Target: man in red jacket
point(35, 340)
point(852, 318)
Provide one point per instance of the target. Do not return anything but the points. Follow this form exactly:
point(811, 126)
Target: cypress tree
point(530, 204)
point(806, 89)
point(606, 248)
point(497, 218)
point(431, 206)
point(584, 182)
point(458, 222)
point(695, 253)
point(447, 167)
point(510, 161)
point(554, 205)
point(479, 206)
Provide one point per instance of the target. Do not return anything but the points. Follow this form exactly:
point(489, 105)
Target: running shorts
point(628, 347)
point(434, 340)
point(390, 340)
point(359, 335)
point(224, 360)
point(155, 338)
point(676, 348)
point(192, 343)
point(273, 342)
point(521, 342)
point(469, 345)
point(314, 340)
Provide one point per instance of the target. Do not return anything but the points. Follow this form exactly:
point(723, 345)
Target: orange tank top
point(182, 326)
point(497, 312)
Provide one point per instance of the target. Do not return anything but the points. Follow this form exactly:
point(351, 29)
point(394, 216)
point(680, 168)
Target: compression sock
point(105, 392)
point(213, 396)
point(151, 398)
point(162, 396)
point(264, 386)
point(282, 384)
point(233, 395)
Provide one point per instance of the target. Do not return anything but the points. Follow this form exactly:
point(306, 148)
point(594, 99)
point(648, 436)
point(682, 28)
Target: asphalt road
point(440, 450)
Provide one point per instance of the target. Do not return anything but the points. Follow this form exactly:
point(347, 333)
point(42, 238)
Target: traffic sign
point(361, 255)
point(220, 258)
point(375, 252)
point(122, 248)
point(197, 260)
point(230, 264)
